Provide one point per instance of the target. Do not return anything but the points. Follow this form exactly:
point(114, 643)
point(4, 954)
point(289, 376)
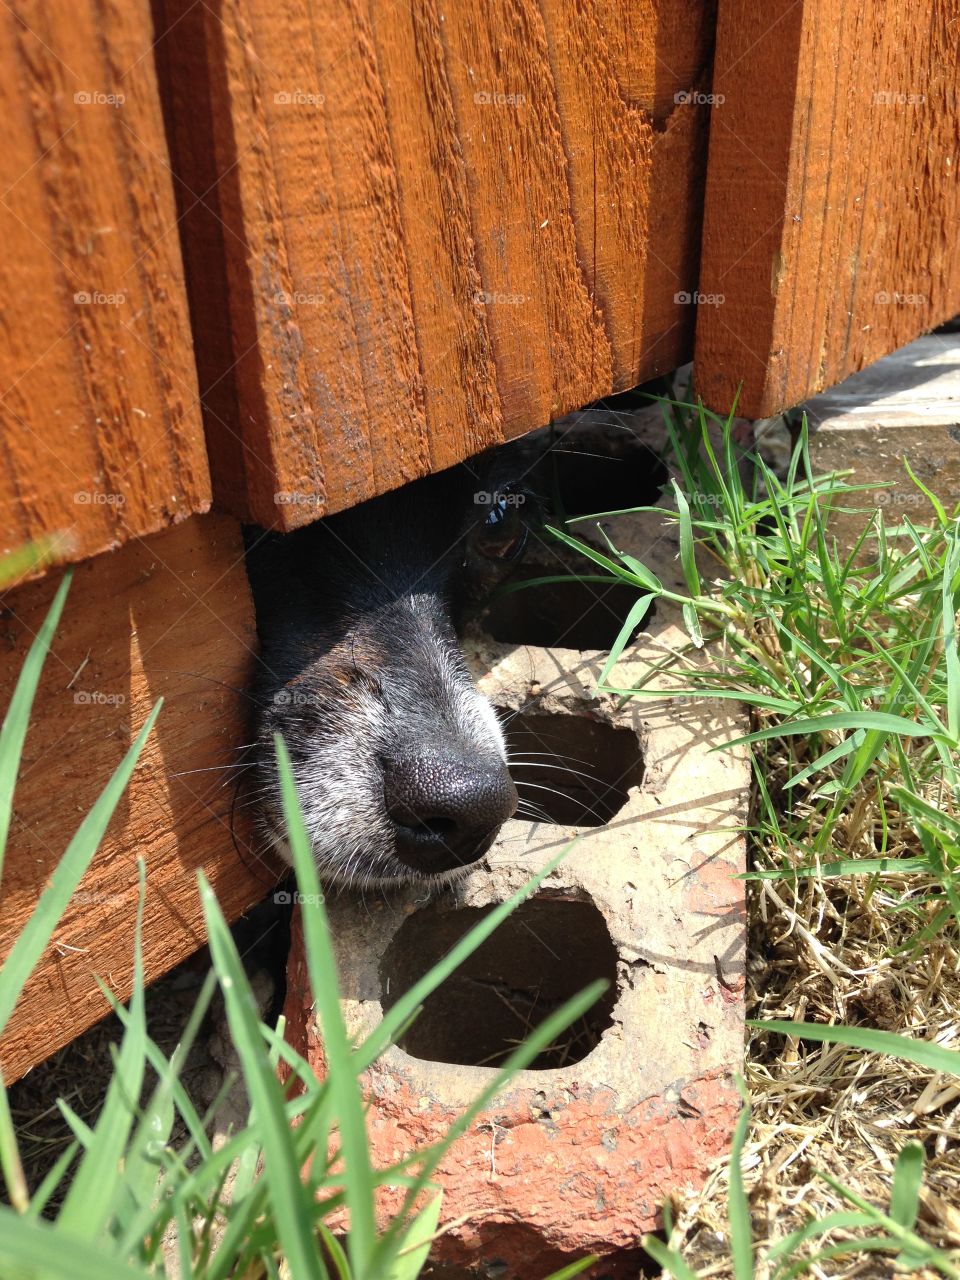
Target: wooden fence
point(280, 257)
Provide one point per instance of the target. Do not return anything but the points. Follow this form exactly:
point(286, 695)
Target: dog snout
point(445, 810)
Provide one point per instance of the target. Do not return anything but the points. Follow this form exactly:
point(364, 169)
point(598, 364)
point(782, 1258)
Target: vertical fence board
point(833, 204)
point(166, 616)
point(427, 228)
point(99, 419)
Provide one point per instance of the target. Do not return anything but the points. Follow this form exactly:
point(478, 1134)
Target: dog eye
point(503, 533)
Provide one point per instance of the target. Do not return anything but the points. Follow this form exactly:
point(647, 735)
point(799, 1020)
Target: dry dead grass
point(840, 950)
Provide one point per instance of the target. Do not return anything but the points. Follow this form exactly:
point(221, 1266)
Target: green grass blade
point(840, 1220)
point(923, 1052)
point(908, 679)
point(551, 579)
point(639, 576)
point(79, 1128)
point(822, 663)
point(414, 1244)
point(918, 806)
point(288, 1199)
point(905, 1193)
point(633, 619)
point(692, 623)
point(10, 1163)
point(927, 493)
point(688, 555)
point(878, 720)
point(785, 706)
point(200, 1181)
point(335, 1250)
point(830, 578)
point(575, 1268)
point(835, 753)
point(618, 511)
point(16, 720)
point(157, 1059)
point(342, 1079)
point(951, 656)
point(234, 1244)
point(903, 1238)
point(38, 930)
point(741, 1243)
point(871, 1244)
point(15, 565)
point(52, 1180)
point(669, 1259)
point(31, 1249)
point(100, 1181)
point(184, 1238)
point(843, 867)
point(156, 1123)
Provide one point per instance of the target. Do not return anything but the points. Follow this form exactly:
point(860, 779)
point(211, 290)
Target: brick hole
point(587, 471)
point(590, 477)
point(562, 615)
point(577, 771)
point(547, 951)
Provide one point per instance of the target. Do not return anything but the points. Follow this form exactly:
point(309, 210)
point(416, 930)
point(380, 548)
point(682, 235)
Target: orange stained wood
point(415, 229)
point(832, 212)
point(100, 427)
point(166, 616)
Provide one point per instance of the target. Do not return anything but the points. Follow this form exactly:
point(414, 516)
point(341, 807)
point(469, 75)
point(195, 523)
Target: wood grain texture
point(100, 425)
point(413, 230)
point(833, 207)
point(168, 616)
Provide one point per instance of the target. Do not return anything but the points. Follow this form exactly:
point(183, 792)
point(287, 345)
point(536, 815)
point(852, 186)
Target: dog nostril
point(446, 810)
point(440, 827)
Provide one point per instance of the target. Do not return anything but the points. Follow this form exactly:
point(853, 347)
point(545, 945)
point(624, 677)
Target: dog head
point(399, 761)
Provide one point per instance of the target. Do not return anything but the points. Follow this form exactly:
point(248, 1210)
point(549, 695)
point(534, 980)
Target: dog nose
point(446, 811)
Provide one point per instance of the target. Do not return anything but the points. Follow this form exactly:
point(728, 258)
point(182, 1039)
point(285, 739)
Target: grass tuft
point(847, 1161)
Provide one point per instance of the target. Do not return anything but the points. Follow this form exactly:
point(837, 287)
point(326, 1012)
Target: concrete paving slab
point(906, 406)
point(917, 386)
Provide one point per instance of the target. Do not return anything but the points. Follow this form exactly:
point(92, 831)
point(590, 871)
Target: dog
point(400, 763)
